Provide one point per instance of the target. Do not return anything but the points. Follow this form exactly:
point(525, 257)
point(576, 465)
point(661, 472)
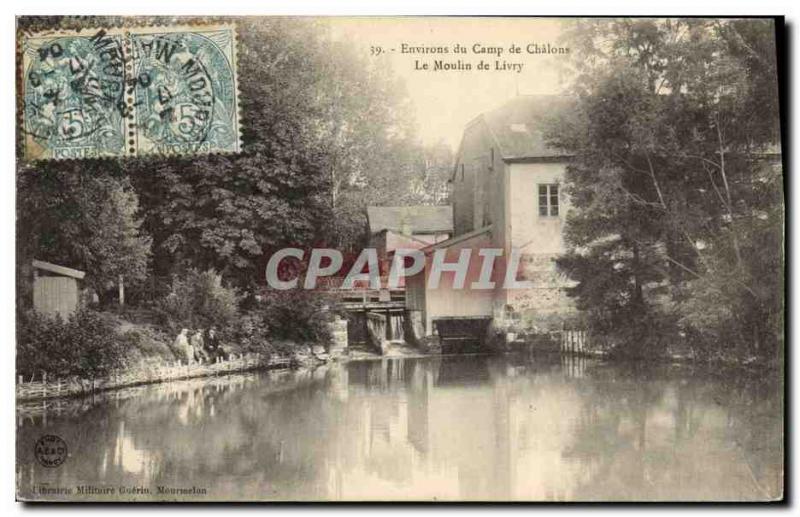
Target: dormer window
point(548, 200)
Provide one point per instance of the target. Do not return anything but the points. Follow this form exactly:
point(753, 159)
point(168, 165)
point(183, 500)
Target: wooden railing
point(51, 388)
point(361, 296)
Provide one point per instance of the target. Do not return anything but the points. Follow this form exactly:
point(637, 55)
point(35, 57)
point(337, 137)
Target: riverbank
point(284, 379)
point(33, 391)
point(158, 372)
point(146, 374)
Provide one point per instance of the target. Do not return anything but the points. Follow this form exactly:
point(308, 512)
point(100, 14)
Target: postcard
point(429, 259)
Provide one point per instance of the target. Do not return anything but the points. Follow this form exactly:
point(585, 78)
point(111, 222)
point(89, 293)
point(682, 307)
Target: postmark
point(121, 92)
point(51, 451)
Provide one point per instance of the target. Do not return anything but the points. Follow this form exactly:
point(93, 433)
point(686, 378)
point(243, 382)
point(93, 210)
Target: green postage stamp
point(139, 91)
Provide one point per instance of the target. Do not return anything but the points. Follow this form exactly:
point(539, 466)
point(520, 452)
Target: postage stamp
point(126, 92)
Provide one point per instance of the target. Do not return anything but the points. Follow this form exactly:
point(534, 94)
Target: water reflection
point(467, 428)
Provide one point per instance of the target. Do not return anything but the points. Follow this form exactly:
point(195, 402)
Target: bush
point(278, 321)
point(86, 345)
point(143, 343)
point(273, 322)
point(251, 334)
point(296, 315)
point(198, 300)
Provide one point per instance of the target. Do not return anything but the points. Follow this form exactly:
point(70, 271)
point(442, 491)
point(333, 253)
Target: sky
point(446, 100)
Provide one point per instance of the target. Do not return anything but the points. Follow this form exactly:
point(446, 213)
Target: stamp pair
point(127, 92)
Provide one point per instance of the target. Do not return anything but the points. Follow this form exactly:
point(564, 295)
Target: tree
point(227, 212)
point(324, 132)
point(677, 196)
point(365, 133)
point(198, 300)
point(429, 184)
point(323, 135)
point(69, 214)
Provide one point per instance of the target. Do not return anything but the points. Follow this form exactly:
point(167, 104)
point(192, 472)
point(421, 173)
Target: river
point(433, 428)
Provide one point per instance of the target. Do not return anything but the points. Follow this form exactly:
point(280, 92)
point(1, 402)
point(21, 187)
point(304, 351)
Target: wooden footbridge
point(358, 300)
point(361, 298)
point(377, 314)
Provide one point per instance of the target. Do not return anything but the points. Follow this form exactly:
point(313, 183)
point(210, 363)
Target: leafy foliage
point(86, 345)
point(676, 181)
point(324, 134)
point(145, 343)
point(77, 217)
point(279, 321)
point(198, 300)
point(296, 315)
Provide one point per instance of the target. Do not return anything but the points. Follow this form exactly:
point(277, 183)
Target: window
point(548, 200)
point(462, 172)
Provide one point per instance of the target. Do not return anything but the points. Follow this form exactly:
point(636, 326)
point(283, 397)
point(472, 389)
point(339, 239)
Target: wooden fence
point(52, 388)
point(574, 342)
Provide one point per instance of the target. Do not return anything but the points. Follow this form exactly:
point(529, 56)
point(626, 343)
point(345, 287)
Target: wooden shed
point(55, 288)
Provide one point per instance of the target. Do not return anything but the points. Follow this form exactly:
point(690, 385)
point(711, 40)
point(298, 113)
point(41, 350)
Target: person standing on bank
point(197, 344)
point(183, 347)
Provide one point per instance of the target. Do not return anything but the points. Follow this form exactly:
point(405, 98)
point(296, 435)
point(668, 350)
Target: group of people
point(201, 347)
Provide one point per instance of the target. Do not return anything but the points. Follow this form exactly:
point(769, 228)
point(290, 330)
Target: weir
point(384, 329)
point(377, 317)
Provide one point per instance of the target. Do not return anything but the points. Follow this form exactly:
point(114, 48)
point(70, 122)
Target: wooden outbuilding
point(55, 288)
